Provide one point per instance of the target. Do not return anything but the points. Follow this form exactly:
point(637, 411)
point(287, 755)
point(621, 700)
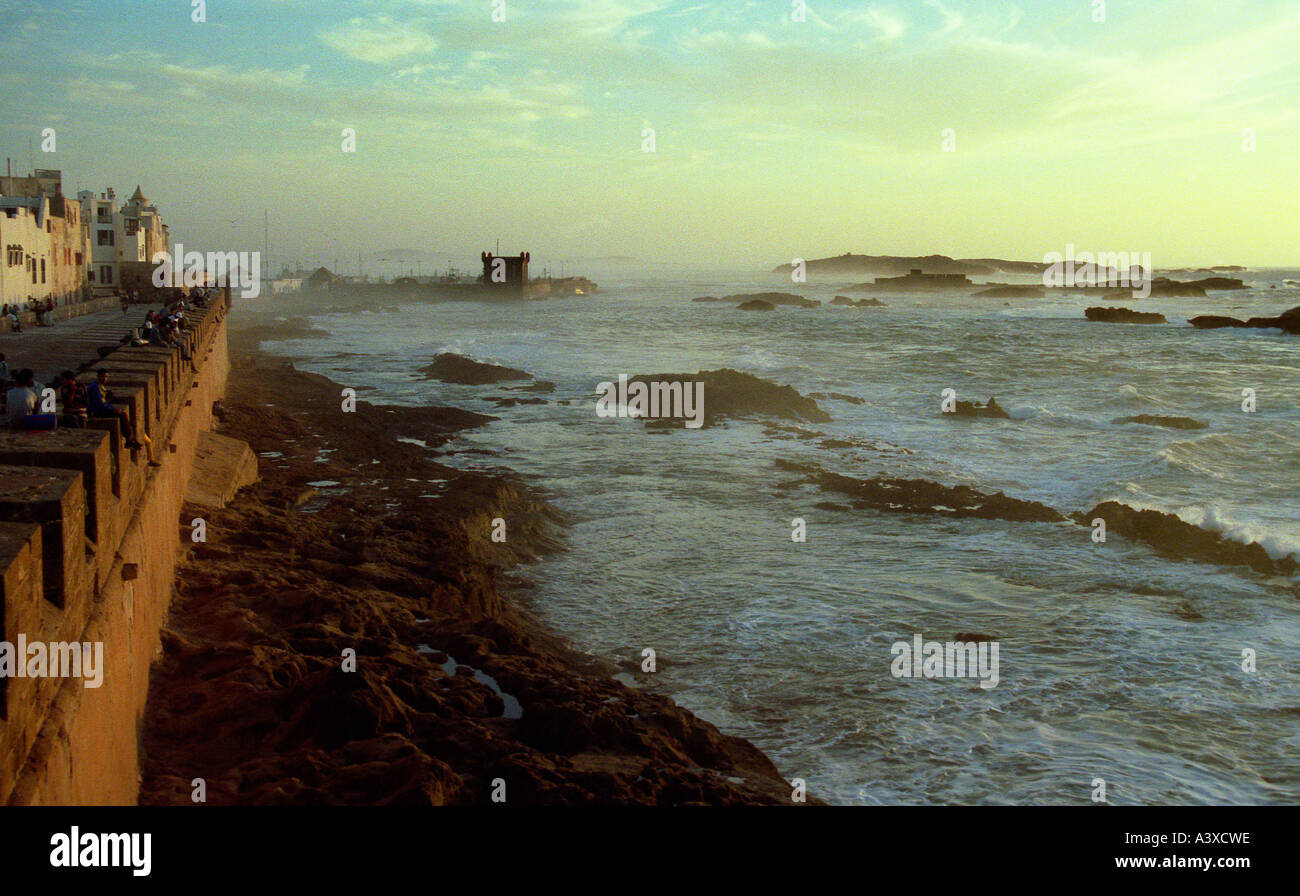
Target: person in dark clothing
point(99, 404)
point(72, 395)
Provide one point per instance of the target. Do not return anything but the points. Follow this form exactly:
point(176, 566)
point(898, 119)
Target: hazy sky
point(773, 138)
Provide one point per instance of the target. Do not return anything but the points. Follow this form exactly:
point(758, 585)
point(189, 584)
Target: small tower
point(506, 272)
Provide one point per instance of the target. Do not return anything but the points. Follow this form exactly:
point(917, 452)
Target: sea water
point(1115, 664)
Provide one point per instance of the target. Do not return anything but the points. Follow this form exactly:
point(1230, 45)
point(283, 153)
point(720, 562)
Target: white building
point(132, 232)
point(44, 241)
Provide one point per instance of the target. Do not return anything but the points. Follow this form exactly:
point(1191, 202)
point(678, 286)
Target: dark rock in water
point(775, 298)
point(973, 409)
point(708, 299)
point(756, 305)
point(837, 396)
point(1123, 316)
point(458, 369)
point(924, 496)
point(1168, 422)
point(1163, 286)
point(1287, 321)
point(1215, 322)
point(1220, 283)
point(973, 637)
point(732, 394)
point(1172, 536)
point(1011, 292)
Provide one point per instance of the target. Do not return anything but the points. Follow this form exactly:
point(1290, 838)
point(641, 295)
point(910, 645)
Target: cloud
point(379, 40)
point(888, 26)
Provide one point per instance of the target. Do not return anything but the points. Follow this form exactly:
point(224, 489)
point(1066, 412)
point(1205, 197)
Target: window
point(42, 270)
point(105, 273)
point(106, 237)
point(78, 259)
point(90, 275)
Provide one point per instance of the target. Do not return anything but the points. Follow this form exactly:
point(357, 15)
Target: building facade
point(44, 239)
point(132, 232)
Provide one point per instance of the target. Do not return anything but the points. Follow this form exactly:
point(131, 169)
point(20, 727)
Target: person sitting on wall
point(99, 404)
point(21, 399)
point(14, 323)
point(72, 395)
point(150, 332)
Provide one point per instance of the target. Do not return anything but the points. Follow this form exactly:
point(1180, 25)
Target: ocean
point(1116, 664)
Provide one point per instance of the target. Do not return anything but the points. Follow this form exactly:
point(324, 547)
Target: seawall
point(89, 538)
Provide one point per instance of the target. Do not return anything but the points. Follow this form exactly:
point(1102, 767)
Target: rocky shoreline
point(356, 541)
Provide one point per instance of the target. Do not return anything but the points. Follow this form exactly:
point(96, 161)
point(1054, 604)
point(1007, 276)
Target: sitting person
point(72, 395)
point(13, 319)
point(21, 399)
point(99, 403)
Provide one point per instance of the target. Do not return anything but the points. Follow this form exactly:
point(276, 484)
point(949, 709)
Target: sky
point(780, 129)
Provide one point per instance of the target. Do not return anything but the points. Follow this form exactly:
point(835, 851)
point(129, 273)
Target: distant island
point(902, 265)
point(942, 265)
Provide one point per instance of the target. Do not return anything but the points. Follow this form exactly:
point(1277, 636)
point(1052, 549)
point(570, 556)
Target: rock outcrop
point(1011, 292)
point(1158, 420)
point(775, 298)
point(1287, 321)
point(733, 394)
point(973, 409)
point(458, 369)
point(1123, 316)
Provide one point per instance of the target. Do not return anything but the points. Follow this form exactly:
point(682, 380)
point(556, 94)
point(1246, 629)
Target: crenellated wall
point(89, 539)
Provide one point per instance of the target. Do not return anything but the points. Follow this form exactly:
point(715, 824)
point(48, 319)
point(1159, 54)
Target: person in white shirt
point(21, 399)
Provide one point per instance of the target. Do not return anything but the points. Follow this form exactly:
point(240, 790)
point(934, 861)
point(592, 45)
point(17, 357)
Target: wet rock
point(1123, 316)
point(973, 409)
point(927, 497)
point(458, 369)
point(1167, 422)
point(1011, 292)
point(756, 305)
point(775, 298)
point(1287, 321)
point(1172, 536)
point(1215, 322)
point(733, 394)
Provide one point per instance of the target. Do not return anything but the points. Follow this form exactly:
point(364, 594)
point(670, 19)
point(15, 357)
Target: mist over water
point(1115, 663)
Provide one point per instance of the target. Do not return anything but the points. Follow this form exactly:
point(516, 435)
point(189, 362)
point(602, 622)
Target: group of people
point(43, 309)
point(28, 405)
